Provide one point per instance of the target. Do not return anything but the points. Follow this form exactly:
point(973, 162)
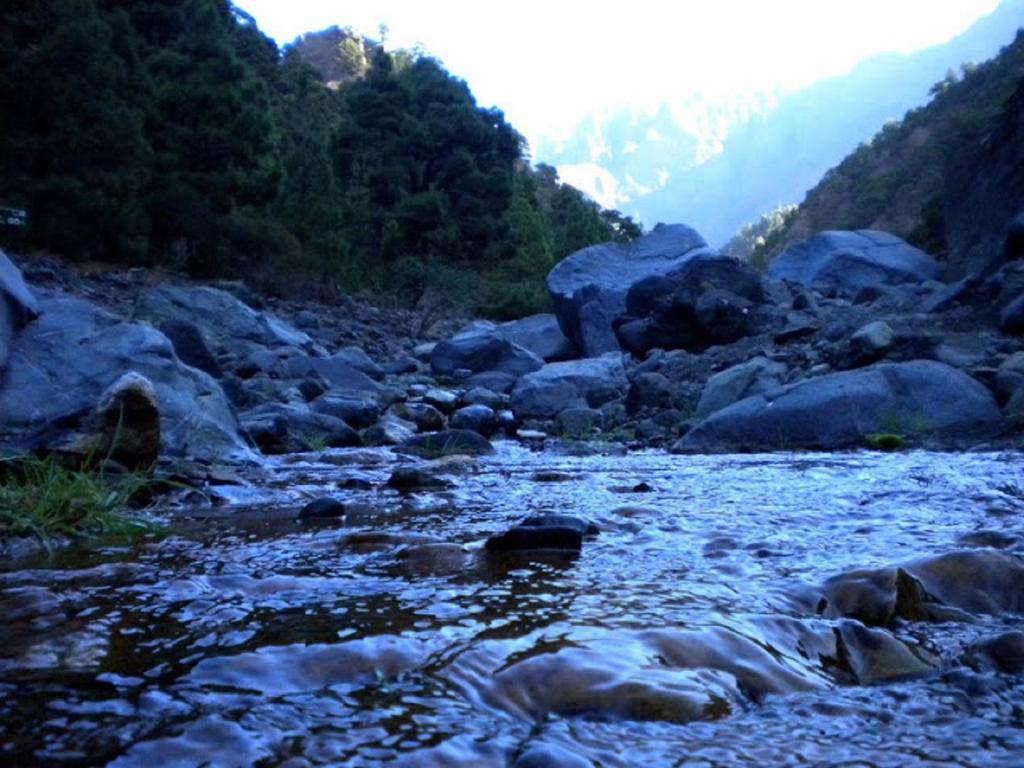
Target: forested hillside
point(174, 132)
point(920, 177)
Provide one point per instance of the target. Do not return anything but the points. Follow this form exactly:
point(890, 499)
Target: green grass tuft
point(886, 441)
point(41, 498)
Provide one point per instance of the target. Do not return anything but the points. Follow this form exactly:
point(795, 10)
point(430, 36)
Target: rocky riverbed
point(581, 538)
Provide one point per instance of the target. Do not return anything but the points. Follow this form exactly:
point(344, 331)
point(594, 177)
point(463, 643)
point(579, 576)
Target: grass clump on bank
point(43, 499)
point(886, 441)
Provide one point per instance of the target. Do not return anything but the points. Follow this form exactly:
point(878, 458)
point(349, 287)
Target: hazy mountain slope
point(947, 177)
point(735, 160)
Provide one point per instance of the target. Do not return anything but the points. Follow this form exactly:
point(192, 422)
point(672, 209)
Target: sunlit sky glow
point(547, 64)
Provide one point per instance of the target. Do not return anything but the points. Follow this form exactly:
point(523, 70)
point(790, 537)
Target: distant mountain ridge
point(744, 156)
point(948, 177)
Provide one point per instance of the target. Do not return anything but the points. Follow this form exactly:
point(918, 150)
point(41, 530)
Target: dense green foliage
point(174, 132)
point(905, 179)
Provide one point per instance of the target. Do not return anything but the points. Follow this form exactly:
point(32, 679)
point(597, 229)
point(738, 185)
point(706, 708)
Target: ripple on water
point(684, 630)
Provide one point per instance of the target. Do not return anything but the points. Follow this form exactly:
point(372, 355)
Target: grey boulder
point(480, 352)
point(570, 384)
point(589, 287)
point(225, 320)
point(842, 409)
point(741, 381)
point(850, 261)
point(61, 364)
point(539, 334)
point(17, 305)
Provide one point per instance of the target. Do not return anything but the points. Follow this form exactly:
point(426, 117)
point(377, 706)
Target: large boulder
point(224, 320)
point(480, 352)
point(711, 299)
point(62, 363)
point(741, 381)
point(842, 409)
point(570, 384)
point(17, 305)
point(539, 334)
point(589, 287)
point(337, 370)
point(849, 261)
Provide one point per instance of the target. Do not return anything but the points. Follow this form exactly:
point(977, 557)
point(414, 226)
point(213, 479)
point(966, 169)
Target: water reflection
point(686, 630)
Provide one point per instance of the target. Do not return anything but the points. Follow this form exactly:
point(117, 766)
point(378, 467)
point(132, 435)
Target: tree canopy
point(175, 132)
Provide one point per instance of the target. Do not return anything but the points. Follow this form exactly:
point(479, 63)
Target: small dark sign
point(13, 217)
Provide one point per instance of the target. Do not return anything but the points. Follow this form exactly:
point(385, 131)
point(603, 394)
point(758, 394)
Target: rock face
point(17, 305)
point(849, 261)
point(61, 364)
point(841, 409)
point(225, 320)
point(574, 383)
point(480, 352)
point(589, 287)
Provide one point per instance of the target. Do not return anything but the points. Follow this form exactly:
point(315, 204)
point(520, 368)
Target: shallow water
point(679, 635)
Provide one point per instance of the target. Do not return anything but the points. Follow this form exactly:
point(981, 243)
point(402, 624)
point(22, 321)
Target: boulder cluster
point(849, 336)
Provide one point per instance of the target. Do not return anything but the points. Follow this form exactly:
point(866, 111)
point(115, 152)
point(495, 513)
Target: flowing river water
point(680, 635)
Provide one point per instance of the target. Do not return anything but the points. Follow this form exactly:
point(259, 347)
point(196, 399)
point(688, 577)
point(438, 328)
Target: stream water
point(678, 636)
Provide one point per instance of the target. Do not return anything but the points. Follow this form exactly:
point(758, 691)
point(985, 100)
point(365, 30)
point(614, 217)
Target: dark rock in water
point(842, 409)
point(552, 476)
point(482, 352)
point(589, 287)
point(357, 412)
point(190, 346)
point(61, 363)
point(1011, 319)
point(849, 261)
point(550, 756)
point(576, 383)
point(324, 507)
point(874, 597)
point(1003, 653)
point(973, 580)
point(414, 479)
point(478, 418)
point(524, 538)
point(446, 443)
point(585, 527)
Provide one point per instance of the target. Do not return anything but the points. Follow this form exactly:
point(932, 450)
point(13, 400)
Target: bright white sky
point(547, 63)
